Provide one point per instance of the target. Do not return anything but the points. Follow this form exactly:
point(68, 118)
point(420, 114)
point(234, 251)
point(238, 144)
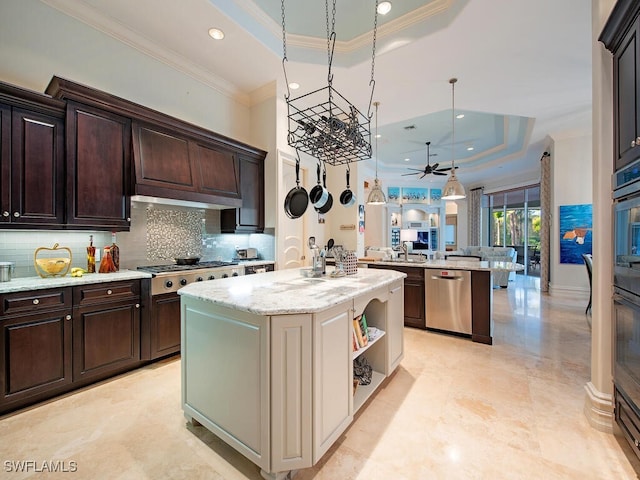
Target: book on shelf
point(363, 325)
point(354, 337)
point(374, 333)
point(362, 339)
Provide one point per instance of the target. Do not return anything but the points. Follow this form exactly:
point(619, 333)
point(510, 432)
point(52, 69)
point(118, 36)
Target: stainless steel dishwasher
point(448, 300)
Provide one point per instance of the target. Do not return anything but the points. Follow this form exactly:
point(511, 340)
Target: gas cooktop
point(172, 267)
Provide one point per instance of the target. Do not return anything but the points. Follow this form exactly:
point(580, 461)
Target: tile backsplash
point(158, 234)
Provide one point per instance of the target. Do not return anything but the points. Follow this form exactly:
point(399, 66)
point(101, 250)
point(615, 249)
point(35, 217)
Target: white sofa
point(493, 254)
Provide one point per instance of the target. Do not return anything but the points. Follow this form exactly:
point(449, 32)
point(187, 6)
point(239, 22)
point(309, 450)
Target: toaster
point(247, 253)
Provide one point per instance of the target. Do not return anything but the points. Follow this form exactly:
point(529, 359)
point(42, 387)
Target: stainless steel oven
point(627, 244)
point(164, 321)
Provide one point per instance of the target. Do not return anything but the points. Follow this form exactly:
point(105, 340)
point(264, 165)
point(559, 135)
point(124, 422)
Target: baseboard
point(598, 408)
point(567, 290)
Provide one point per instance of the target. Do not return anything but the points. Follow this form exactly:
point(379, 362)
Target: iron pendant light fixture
point(376, 195)
point(453, 189)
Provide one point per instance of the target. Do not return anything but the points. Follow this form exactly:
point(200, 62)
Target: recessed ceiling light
point(378, 136)
point(460, 115)
point(469, 149)
point(216, 33)
point(407, 159)
point(384, 8)
point(294, 86)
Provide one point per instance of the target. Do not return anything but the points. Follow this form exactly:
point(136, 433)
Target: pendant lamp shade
point(453, 189)
point(376, 195)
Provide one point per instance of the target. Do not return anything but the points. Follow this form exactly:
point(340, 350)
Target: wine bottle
point(115, 252)
point(91, 256)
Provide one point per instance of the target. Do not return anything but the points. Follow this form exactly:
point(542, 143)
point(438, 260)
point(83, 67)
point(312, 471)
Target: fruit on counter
point(77, 272)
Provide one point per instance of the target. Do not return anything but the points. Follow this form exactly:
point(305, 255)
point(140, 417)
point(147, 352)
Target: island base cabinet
point(332, 381)
point(225, 375)
point(291, 410)
point(395, 326)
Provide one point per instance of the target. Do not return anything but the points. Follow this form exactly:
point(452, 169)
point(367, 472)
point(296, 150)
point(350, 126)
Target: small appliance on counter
point(246, 253)
point(6, 269)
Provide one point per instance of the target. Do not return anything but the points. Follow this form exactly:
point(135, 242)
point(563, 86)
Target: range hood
point(177, 203)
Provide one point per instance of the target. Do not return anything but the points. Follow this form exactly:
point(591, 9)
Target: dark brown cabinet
point(165, 325)
point(414, 312)
point(250, 217)
point(621, 35)
point(98, 168)
point(35, 349)
point(106, 329)
point(171, 164)
point(56, 340)
point(31, 159)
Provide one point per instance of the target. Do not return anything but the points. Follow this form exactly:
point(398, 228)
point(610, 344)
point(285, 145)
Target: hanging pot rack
point(323, 123)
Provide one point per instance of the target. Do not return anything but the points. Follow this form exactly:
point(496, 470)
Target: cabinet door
point(165, 325)
point(626, 70)
point(37, 168)
point(5, 164)
point(250, 217)
point(36, 357)
point(332, 374)
point(106, 340)
point(98, 168)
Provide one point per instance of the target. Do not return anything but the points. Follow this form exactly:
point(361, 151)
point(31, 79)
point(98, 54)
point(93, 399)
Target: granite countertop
point(457, 265)
point(253, 262)
point(39, 283)
point(288, 291)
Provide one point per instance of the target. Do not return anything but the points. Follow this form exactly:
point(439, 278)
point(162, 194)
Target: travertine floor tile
point(453, 410)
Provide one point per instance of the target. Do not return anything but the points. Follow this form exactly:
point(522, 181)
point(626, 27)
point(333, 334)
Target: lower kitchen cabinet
point(106, 329)
point(165, 325)
point(56, 340)
point(414, 313)
point(35, 350)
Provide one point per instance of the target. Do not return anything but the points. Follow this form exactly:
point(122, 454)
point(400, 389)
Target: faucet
point(405, 250)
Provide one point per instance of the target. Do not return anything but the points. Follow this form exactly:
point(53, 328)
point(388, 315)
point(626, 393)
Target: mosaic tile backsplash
point(158, 234)
point(174, 233)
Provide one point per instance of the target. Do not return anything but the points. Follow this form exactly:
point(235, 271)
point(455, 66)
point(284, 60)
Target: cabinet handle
point(137, 305)
point(636, 443)
point(68, 317)
point(109, 292)
point(16, 214)
point(129, 219)
point(36, 301)
point(637, 140)
point(5, 214)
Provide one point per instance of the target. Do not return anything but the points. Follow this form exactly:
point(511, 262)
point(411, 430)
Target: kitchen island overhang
point(267, 360)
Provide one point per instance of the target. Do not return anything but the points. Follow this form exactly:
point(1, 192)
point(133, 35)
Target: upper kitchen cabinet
point(621, 36)
point(250, 217)
point(98, 166)
point(31, 159)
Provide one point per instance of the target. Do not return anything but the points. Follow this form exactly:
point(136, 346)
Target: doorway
point(514, 221)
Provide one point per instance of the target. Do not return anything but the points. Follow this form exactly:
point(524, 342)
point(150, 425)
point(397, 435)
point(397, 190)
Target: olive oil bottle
point(91, 256)
point(115, 252)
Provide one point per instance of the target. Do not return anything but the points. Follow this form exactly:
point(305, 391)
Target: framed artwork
point(393, 195)
point(436, 195)
point(576, 224)
point(361, 218)
point(415, 195)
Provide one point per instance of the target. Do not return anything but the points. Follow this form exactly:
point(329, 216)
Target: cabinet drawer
point(628, 421)
point(106, 292)
point(35, 300)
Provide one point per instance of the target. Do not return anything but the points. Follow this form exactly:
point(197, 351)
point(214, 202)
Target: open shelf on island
point(363, 392)
point(371, 343)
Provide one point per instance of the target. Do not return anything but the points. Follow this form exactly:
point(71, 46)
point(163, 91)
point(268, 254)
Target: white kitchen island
point(267, 360)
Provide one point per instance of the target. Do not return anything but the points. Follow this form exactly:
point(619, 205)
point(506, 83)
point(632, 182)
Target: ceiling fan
point(428, 169)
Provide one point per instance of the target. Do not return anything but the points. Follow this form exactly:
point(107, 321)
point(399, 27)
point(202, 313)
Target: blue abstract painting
point(415, 195)
point(393, 194)
point(575, 232)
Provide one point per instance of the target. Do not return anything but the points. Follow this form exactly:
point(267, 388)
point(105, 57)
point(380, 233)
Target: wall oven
point(626, 302)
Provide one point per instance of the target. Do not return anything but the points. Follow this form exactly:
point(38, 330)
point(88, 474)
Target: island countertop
point(288, 291)
point(456, 265)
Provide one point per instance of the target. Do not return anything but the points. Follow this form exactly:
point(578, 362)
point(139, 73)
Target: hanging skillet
point(297, 200)
point(329, 203)
point(347, 198)
point(318, 195)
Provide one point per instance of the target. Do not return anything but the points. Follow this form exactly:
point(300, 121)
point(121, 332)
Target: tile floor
point(453, 410)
